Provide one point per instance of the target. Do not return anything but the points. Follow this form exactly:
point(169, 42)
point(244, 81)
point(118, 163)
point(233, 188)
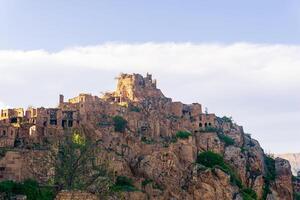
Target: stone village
point(145, 151)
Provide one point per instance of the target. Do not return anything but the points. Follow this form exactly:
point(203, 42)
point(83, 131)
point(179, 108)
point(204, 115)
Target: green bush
point(243, 149)
point(145, 140)
point(297, 196)
point(183, 134)
point(134, 108)
point(270, 165)
point(249, 194)
point(120, 124)
point(227, 119)
point(266, 189)
point(270, 175)
point(213, 160)
point(210, 159)
point(2, 152)
point(123, 183)
point(294, 178)
point(226, 139)
point(30, 188)
point(209, 129)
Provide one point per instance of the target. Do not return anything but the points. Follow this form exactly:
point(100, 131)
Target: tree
point(76, 164)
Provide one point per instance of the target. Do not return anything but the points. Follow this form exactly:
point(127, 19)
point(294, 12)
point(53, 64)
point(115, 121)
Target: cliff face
point(294, 159)
point(159, 148)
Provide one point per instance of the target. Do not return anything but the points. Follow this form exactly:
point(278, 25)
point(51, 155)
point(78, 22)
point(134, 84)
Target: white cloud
point(2, 105)
point(253, 82)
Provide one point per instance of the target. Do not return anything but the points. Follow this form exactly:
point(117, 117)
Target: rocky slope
point(172, 150)
point(148, 151)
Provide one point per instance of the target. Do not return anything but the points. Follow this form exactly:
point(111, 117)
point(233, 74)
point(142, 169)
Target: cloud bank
point(257, 84)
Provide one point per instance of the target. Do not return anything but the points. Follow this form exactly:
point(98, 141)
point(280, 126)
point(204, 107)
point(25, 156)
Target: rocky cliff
point(172, 150)
point(294, 159)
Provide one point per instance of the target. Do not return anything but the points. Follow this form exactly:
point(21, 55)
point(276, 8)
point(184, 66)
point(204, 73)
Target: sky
point(237, 58)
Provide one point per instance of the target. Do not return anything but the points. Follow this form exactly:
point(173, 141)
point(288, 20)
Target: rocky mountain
point(294, 159)
point(165, 149)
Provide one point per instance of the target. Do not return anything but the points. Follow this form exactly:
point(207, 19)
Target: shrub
point(2, 152)
point(249, 194)
point(297, 196)
point(270, 175)
point(119, 123)
point(227, 119)
point(210, 159)
point(209, 129)
point(294, 178)
point(214, 160)
point(183, 134)
point(134, 108)
point(266, 189)
point(243, 149)
point(270, 165)
point(145, 140)
point(123, 183)
point(226, 139)
point(7, 187)
point(30, 188)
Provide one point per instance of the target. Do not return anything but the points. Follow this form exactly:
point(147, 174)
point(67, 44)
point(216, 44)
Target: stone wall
point(19, 165)
point(75, 195)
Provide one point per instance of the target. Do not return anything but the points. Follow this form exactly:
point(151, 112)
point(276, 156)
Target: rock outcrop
point(294, 159)
point(282, 188)
point(157, 147)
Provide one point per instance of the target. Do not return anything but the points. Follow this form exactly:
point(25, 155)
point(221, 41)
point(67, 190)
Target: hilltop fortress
point(133, 92)
point(147, 149)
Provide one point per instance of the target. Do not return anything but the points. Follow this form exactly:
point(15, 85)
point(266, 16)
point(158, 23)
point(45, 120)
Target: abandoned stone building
point(133, 90)
point(159, 116)
point(12, 116)
point(7, 135)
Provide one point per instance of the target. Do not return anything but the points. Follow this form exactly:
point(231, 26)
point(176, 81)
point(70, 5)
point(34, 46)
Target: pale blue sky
point(57, 24)
point(237, 57)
